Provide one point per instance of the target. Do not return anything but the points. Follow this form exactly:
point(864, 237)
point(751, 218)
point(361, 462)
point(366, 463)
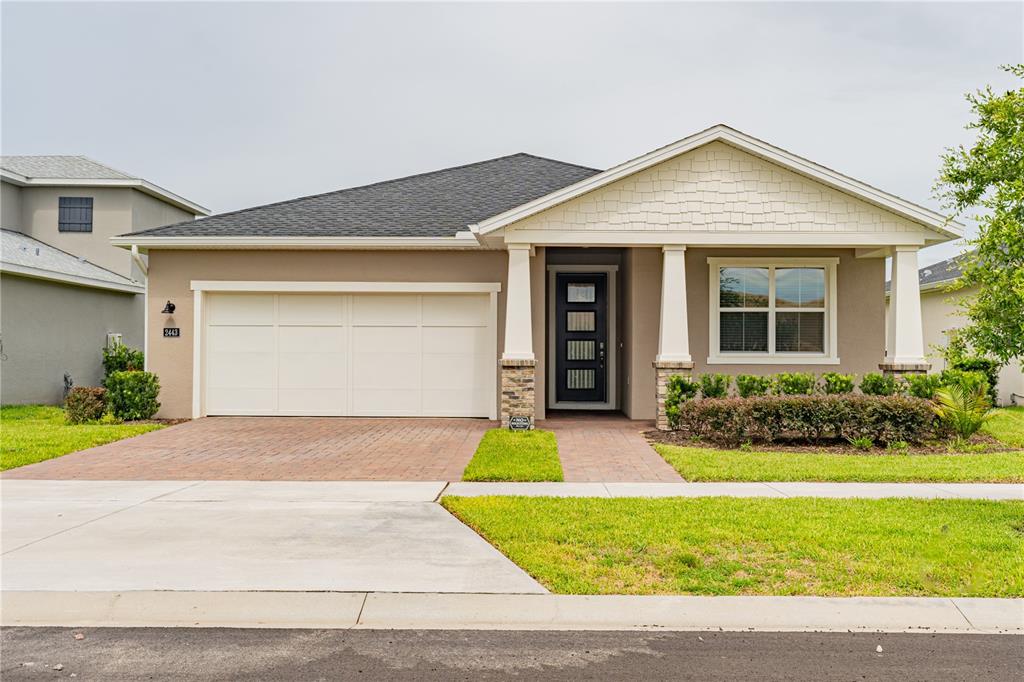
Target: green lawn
point(708, 464)
point(33, 433)
point(505, 455)
point(757, 546)
point(1007, 424)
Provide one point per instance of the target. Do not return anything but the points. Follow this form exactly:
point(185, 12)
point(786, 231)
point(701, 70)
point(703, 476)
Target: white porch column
point(905, 341)
point(674, 334)
point(518, 310)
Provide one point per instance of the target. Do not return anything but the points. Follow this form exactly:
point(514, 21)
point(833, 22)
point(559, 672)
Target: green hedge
point(132, 395)
point(815, 419)
point(85, 404)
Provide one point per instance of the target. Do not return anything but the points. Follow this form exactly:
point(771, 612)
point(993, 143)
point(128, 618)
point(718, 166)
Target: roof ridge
point(379, 183)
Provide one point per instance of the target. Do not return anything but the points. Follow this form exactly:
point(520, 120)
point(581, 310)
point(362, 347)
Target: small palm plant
point(963, 406)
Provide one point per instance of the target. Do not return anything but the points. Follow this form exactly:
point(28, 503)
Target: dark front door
point(581, 337)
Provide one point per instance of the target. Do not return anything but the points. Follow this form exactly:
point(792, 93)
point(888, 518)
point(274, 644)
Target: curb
point(407, 611)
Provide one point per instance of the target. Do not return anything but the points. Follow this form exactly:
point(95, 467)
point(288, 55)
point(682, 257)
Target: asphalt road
point(227, 654)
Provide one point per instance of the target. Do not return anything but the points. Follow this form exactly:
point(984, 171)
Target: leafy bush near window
point(874, 383)
point(680, 390)
point(795, 383)
point(85, 404)
point(121, 358)
point(923, 385)
point(132, 395)
point(749, 385)
point(963, 406)
point(714, 385)
point(834, 383)
point(816, 419)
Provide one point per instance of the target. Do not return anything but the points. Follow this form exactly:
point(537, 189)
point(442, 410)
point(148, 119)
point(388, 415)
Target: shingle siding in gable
point(717, 188)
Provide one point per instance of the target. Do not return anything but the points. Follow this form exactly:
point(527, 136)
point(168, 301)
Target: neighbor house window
point(75, 214)
point(765, 310)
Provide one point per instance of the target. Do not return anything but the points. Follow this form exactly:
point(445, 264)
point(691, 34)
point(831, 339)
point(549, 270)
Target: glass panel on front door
point(581, 341)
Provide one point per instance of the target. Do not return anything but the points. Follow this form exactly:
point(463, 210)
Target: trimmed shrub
point(874, 383)
point(923, 385)
point(714, 385)
point(85, 404)
point(795, 383)
point(817, 419)
point(680, 390)
point(749, 385)
point(121, 358)
point(834, 383)
point(132, 395)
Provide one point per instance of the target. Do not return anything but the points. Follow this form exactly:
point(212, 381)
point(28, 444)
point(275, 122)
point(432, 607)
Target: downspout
point(137, 259)
point(144, 269)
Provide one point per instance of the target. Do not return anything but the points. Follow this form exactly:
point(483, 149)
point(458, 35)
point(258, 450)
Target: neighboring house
point(64, 289)
point(519, 285)
point(941, 314)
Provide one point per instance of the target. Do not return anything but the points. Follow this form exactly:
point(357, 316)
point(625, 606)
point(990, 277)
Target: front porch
point(602, 328)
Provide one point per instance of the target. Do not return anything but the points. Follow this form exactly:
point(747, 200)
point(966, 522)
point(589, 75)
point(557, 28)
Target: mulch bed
point(937, 447)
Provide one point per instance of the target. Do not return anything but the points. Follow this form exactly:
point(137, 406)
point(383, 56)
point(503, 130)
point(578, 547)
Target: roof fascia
point(64, 278)
point(735, 138)
point(133, 183)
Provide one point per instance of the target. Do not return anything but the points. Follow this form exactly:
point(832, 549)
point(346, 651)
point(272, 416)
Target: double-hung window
point(773, 310)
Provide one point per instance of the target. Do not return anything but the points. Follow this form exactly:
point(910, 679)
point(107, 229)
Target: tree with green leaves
point(988, 177)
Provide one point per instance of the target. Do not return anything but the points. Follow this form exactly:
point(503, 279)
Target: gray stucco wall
point(50, 328)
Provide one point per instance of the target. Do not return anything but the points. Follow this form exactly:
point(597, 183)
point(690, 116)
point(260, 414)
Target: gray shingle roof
point(936, 273)
point(18, 249)
point(436, 204)
point(61, 168)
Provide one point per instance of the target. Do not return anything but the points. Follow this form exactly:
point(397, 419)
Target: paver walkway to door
point(279, 449)
point(606, 447)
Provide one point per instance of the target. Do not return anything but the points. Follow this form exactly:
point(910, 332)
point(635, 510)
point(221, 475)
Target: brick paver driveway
point(281, 449)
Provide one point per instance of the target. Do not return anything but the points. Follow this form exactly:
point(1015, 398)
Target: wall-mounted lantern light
point(168, 309)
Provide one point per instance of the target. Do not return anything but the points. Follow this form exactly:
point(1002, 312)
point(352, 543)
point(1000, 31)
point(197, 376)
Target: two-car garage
point(347, 350)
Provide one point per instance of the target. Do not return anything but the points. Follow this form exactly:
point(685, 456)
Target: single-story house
point(942, 316)
point(518, 285)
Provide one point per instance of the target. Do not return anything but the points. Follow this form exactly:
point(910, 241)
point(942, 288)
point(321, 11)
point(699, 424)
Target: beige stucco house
point(941, 316)
point(64, 289)
point(519, 285)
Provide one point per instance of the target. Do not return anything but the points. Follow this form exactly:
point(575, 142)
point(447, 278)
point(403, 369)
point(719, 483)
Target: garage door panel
point(386, 370)
point(311, 309)
point(386, 309)
point(456, 403)
point(314, 402)
point(312, 370)
point(244, 339)
point(254, 309)
point(313, 340)
point(241, 401)
point(385, 339)
point(465, 310)
point(467, 340)
point(386, 402)
point(241, 370)
point(452, 371)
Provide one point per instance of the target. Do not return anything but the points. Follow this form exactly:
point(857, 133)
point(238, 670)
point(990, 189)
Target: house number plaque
point(172, 332)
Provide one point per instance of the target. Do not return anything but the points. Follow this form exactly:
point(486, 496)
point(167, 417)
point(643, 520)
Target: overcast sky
point(238, 104)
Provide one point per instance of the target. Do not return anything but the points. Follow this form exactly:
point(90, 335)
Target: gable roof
point(70, 171)
point(23, 255)
point(440, 203)
point(722, 133)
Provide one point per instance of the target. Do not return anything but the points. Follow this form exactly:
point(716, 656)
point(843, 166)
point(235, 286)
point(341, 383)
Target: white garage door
point(349, 354)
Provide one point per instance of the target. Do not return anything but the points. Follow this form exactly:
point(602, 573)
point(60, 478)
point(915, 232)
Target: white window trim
point(831, 354)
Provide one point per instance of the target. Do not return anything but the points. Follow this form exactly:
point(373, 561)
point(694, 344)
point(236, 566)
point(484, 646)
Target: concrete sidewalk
point(975, 491)
point(510, 612)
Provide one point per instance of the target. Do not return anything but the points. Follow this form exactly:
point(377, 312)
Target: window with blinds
point(772, 310)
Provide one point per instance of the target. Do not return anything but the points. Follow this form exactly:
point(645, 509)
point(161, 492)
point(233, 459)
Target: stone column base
point(662, 371)
point(898, 369)
point(517, 390)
